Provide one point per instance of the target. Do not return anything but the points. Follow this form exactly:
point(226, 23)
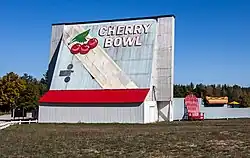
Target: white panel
point(150, 112)
point(80, 78)
point(63, 60)
point(88, 114)
point(162, 74)
point(56, 34)
point(163, 110)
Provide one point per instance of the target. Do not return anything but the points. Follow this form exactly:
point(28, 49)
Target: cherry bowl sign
point(117, 36)
point(86, 46)
point(114, 36)
point(112, 54)
point(109, 64)
point(130, 35)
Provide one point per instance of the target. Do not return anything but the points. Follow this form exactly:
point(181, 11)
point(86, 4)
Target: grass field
point(220, 138)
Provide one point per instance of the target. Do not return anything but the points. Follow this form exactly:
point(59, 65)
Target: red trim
point(95, 96)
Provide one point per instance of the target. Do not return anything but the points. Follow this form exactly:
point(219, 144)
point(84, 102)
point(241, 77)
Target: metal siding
point(224, 112)
point(138, 70)
point(163, 110)
point(80, 78)
point(56, 34)
point(164, 59)
point(57, 81)
point(73, 114)
point(137, 62)
point(141, 80)
point(178, 105)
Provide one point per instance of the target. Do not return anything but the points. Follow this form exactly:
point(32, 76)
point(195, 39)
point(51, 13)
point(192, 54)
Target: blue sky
point(212, 43)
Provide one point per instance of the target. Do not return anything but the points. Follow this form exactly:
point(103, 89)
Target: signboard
point(114, 54)
point(192, 104)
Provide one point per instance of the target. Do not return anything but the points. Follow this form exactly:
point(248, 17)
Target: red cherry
point(92, 43)
point(75, 49)
point(84, 49)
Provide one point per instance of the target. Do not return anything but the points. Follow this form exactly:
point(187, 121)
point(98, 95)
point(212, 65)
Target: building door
point(152, 114)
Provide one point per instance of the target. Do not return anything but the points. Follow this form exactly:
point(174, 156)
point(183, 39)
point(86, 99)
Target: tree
point(11, 87)
point(209, 90)
point(191, 87)
point(223, 92)
point(44, 84)
point(45, 80)
point(217, 90)
point(234, 93)
point(177, 91)
point(30, 96)
point(245, 100)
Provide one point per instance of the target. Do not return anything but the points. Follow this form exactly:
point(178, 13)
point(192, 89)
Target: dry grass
point(209, 139)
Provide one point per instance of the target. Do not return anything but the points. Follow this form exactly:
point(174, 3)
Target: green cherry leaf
point(80, 37)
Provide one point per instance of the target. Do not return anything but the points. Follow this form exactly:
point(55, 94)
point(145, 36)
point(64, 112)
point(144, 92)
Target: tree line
point(24, 91)
point(234, 93)
point(21, 91)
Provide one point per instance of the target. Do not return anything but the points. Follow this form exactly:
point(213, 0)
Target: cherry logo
point(84, 49)
point(75, 49)
point(83, 44)
point(92, 43)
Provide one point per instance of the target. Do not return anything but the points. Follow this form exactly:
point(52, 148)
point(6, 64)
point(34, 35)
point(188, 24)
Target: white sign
point(117, 36)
